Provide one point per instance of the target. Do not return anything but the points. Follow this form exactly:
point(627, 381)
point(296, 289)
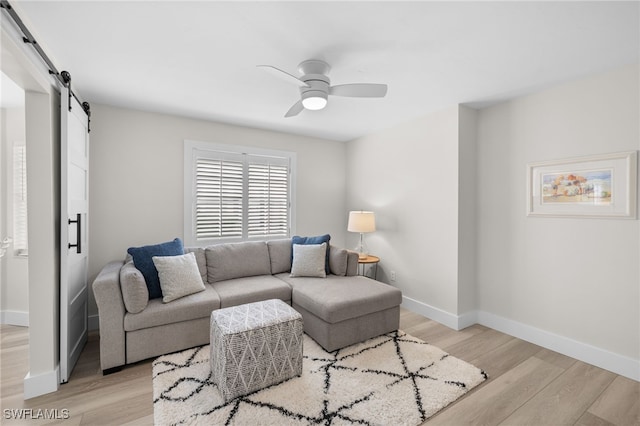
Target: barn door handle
point(78, 223)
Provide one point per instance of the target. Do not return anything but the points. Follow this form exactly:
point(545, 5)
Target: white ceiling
point(198, 59)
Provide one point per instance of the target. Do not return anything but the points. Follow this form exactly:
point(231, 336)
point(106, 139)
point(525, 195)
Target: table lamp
point(361, 221)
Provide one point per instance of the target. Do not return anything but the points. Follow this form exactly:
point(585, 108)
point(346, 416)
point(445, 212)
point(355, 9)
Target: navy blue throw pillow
point(313, 240)
point(142, 259)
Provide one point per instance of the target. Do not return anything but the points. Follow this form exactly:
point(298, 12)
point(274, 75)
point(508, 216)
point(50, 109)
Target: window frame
point(194, 150)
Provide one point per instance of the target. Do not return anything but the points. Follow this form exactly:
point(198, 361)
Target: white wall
point(43, 197)
point(14, 291)
point(42, 134)
point(136, 179)
point(408, 175)
point(467, 200)
point(575, 278)
point(449, 192)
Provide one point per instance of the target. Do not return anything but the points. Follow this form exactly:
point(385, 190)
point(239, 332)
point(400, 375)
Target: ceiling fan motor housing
point(314, 66)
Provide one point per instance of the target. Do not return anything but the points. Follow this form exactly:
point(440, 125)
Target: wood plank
point(433, 332)
point(410, 319)
point(142, 421)
point(503, 358)
point(556, 358)
point(565, 400)
point(498, 399)
point(478, 344)
point(448, 339)
point(119, 412)
point(619, 403)
point(589, 419)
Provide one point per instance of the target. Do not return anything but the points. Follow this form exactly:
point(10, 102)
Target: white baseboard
point(21, 319)
point(619, 364)
point(18, 318)
point(467, 320)
point(40, 384)
point(443, 317)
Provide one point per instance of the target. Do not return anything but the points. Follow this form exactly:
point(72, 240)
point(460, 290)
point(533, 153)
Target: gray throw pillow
point(134, 288)
point(237, 260)
point(280, 255)
point(338, 259)
point(179, 276)
point(309, 260)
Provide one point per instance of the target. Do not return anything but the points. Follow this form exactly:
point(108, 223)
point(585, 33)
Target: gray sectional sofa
point(338, 310)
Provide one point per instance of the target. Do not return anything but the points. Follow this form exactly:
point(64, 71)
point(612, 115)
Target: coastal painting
point(597, 186)
point(579, 187)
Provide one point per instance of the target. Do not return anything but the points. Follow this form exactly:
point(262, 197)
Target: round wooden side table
point(369, 260)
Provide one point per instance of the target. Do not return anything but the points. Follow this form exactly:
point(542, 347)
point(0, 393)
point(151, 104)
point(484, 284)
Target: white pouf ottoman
point(255, 345)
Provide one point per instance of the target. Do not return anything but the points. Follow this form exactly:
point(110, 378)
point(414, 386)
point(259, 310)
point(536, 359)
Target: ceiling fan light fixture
point(315, 86)
point(314, 100)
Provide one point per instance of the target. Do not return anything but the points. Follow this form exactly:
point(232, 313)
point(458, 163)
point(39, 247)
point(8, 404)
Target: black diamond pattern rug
point(394, 379)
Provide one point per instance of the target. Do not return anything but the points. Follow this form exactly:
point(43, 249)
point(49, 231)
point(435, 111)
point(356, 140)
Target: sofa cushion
point(134, 288)
point(309, 260)
point(336, 299)
point(201, 260)
point(338, 258)
point(280, 255)
point(142, 259)
point(251, 289)
point(236, 260)
point(194, 306)
point(314, 240)
point(179, 276)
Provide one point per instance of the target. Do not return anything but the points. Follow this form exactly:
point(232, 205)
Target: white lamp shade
point(360, 221)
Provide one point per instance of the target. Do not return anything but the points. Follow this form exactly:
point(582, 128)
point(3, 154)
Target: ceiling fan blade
point(283, 75)
point(295, 109)
point(359, 90)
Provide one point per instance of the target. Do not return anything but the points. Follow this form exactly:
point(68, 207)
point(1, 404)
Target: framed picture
point(594, 186)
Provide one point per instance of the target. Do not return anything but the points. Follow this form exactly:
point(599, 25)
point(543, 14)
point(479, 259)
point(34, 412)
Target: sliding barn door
point(74, 183)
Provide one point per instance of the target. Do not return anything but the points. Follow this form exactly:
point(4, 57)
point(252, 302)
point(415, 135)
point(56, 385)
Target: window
point(237, 193)
point(20, 200)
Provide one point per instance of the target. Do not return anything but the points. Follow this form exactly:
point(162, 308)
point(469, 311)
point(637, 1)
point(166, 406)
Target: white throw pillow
point(309, 260)
point(179, 276)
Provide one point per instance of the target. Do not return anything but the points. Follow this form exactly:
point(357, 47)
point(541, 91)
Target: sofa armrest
point(111, 310)
point(352, 263)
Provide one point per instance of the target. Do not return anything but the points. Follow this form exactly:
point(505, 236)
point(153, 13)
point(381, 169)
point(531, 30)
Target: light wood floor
point(527, 385)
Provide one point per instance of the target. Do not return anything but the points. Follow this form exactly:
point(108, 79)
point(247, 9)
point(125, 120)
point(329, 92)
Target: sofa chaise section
point(339, 312)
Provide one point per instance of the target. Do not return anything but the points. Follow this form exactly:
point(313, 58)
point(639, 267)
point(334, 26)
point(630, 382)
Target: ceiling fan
point(315, 86)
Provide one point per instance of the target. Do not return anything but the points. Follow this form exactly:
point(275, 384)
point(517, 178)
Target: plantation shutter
point(20, 199)
point(241, 196)
point(268, 197)
point(219, 194)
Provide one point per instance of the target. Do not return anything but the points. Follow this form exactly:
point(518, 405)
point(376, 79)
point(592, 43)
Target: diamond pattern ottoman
point(255, 345)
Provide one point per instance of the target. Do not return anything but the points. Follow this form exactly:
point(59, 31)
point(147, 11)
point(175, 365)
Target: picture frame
point(597, 186)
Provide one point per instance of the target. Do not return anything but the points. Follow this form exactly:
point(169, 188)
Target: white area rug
point(394, 379)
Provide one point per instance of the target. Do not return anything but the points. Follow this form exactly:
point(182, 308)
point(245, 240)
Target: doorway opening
point(14, 250)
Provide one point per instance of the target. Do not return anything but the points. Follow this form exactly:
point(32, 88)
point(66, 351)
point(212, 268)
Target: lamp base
point(361, 249)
